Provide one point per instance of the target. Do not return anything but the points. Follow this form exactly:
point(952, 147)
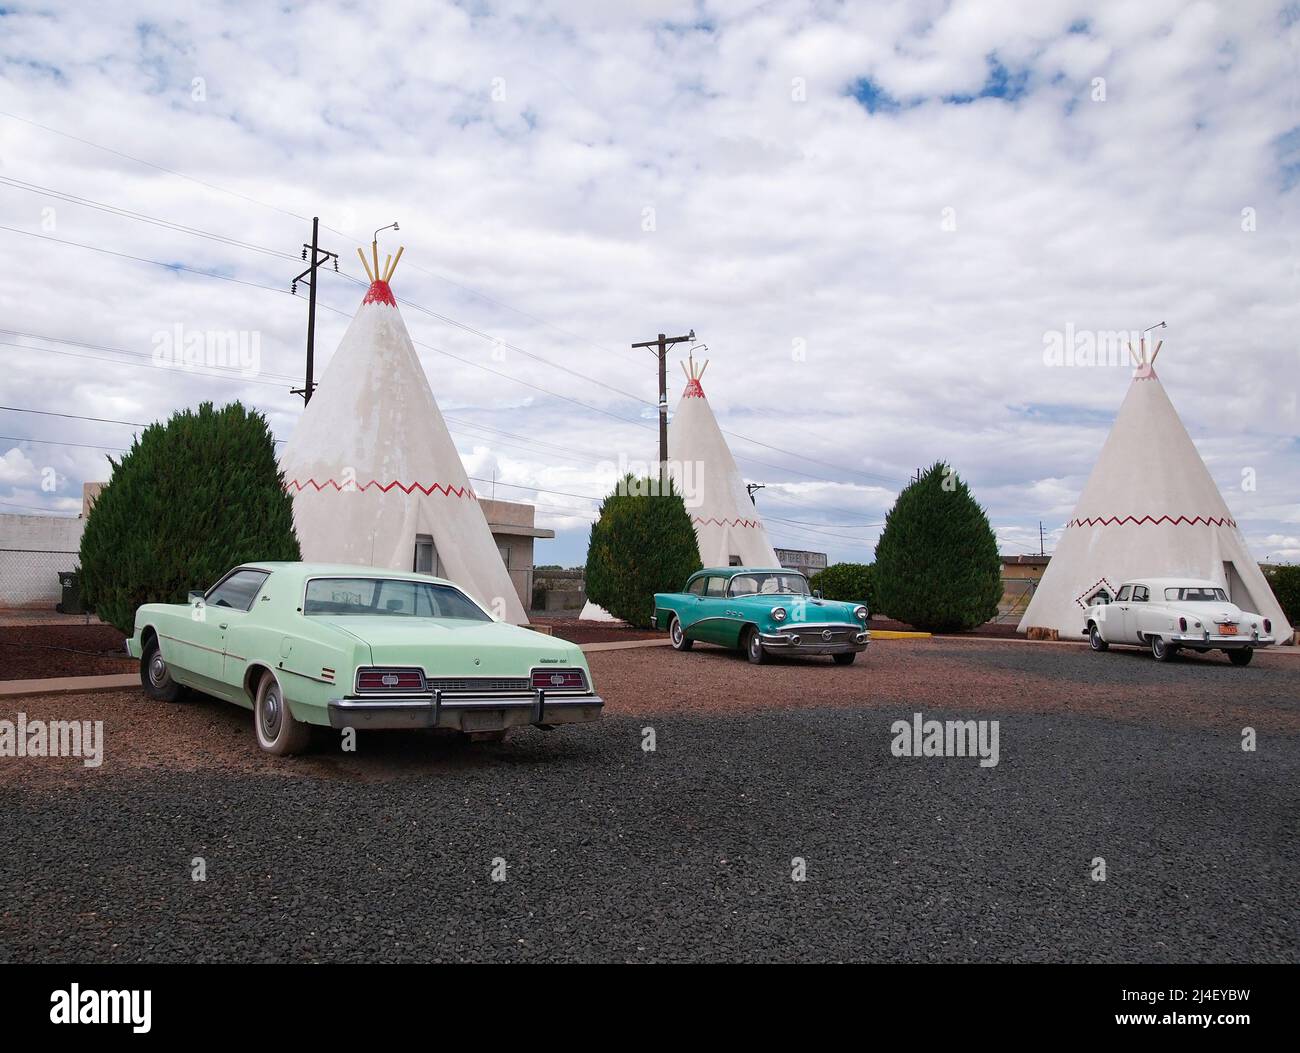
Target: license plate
point(491, 720)
point(1227, 630)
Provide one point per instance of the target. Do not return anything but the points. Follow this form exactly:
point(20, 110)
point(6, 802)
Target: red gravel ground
point(30, 652)
point(999, 630)
point(597, 632)
point(977, 677)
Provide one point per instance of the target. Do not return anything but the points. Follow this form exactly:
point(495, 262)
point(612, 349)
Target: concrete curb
point(65, 685)
point(623, 645)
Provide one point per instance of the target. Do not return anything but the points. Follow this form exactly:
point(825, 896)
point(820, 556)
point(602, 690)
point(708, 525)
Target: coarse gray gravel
point(613, 853)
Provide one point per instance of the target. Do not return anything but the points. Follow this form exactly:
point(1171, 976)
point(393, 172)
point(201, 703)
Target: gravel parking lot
point(686, 853)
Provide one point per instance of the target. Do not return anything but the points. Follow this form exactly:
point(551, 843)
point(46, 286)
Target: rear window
point(389, 597)
point(1198, 594)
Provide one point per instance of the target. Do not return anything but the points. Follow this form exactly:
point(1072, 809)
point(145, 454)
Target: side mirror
point(817, 594)
point(196, 595)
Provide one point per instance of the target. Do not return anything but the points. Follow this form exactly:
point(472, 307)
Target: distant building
point(512, 529)
point(807, 563)
point(1020, 577)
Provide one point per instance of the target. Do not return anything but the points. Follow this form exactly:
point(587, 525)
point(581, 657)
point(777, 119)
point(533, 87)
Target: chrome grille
point(480, 684)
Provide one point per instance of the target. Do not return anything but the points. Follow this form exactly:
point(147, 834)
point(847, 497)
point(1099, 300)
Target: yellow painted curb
point(890, 634)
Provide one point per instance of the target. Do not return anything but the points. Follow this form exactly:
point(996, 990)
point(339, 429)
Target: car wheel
point(754, 648)
point(278, 730)
point(1241, 657)
point(155, 676)
point(678, 636)
point(1095, 641)
point(846, 658)
point(1160, 650)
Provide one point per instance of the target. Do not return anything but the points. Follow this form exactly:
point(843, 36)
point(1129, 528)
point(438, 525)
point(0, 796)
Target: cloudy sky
point(879, 217)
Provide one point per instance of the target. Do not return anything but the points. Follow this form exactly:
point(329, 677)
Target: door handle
point(223, 625)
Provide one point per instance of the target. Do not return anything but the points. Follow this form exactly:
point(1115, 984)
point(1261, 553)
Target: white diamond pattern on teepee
point(1150, 507)
point(373, 468)
point(725, 520)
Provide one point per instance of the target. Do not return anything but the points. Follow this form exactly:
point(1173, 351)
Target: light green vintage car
point(357, 647)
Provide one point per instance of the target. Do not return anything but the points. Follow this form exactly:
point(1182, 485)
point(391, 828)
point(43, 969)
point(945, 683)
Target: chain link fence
point(30, 577)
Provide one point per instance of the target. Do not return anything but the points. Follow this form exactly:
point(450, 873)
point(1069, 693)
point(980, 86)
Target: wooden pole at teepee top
point(391, 270)
point(365, 263)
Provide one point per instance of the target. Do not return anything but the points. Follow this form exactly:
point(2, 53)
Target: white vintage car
point(1167, 614)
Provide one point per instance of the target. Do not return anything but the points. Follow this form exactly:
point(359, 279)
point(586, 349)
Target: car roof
point(1165, 583)
point(338, 570)
point(731, 572)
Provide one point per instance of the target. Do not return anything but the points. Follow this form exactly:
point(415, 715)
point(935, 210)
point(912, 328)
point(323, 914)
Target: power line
point(159, 168)
point(142, 259)
point(126, 213)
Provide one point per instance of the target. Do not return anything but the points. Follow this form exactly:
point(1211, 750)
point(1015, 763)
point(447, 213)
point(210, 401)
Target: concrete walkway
point(63, 685)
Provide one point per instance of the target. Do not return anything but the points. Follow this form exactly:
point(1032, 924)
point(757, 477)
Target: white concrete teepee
point(727, 525)
point(373, 469)
point(727, 528)
point(1149, 508)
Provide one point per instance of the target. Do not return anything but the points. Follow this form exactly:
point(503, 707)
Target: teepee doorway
point(1238, 593)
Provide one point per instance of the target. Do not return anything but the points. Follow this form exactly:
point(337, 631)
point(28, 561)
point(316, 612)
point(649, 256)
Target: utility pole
point(318, 256)
point(1041, 550)
point(660, 347)
point(751, 487)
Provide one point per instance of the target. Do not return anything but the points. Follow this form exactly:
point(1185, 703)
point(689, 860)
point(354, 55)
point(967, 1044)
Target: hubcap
point(157, 671)
point(677, 632)
point(271, 713)
point(755, 648)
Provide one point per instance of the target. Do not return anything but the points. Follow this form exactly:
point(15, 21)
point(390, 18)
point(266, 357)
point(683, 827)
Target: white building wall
point(33, 550)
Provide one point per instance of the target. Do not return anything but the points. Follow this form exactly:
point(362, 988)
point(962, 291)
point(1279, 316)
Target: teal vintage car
point(763, 611)
point(357, 647)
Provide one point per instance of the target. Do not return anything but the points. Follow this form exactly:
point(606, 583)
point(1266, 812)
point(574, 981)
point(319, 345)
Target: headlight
point(778, 614)
point(1268, 625)
point(862, 614)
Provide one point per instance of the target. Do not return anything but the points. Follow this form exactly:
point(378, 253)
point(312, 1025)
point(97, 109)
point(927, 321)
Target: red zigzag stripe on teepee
point(449, 491)
point(727, 522)
point(1153, 521)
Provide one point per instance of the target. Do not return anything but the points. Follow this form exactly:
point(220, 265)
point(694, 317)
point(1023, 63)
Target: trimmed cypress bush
point(191, 499)
point(846, 581)
point(1285, 583)
point(641, 544)
point(937, 564)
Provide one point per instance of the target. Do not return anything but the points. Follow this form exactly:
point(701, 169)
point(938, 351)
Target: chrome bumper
point(1215, 642)
point(464, 712)
point(810, 641)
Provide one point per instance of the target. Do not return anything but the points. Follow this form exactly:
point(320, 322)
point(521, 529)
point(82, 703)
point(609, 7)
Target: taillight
point(559, 679)
point(390, 680)
point(1182, 624)
point(1268, 625)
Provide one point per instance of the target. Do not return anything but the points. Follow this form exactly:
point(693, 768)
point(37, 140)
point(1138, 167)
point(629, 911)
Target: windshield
point(1197, 594)
point(754, 584)
point(389, 597)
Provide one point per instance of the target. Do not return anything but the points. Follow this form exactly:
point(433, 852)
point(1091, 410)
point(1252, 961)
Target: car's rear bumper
point(843, 640)
point(1216, 642)
point(464, 712)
